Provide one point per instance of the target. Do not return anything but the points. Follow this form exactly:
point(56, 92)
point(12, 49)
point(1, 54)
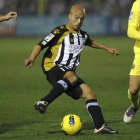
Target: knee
point(90, 95)
point(73, 79)
point(133, 89)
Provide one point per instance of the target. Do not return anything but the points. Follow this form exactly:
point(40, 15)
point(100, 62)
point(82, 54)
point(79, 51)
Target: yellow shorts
point(135, 69)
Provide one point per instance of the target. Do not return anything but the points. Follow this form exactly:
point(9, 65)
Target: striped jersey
point(64, 47)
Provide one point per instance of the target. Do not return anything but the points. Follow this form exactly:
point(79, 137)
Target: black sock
point(57, 90)
point(95, 112)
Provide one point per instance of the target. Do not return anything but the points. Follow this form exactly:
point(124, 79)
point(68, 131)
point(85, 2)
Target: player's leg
point(134, 86)
point(61, 86)
point(93, 108)
point(61, 78)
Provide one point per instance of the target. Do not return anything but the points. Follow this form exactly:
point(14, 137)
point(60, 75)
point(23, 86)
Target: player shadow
point(60, 132)
point(4, 128)
point(54, 132)
point(114, 121)
point(88, 126)
point(8, 127)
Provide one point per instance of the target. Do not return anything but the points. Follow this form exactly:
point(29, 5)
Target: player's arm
point(2, 18)
point(133, 24)
point(29, 62)
point(132, 32)
point(97, 45)
point(134, 21)
point(47, 41)
point(8, 16)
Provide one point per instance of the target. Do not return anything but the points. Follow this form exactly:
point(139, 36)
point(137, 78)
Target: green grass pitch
point(21, 87)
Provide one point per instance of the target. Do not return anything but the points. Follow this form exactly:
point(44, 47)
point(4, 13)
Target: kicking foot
point(105, 130)
point(41, 106)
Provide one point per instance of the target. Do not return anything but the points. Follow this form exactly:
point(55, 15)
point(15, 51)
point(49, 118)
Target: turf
point(21, 87)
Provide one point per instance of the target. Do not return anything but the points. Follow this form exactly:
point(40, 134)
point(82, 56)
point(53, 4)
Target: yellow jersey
point(134, 20)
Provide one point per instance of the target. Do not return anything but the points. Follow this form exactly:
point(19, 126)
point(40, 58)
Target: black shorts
point(57, 73)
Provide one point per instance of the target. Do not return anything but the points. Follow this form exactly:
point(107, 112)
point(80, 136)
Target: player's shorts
point(135, 69)
point(57, 73)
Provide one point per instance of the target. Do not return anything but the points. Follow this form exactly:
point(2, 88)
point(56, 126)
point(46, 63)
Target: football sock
point(134, 99)
point(95, 112)
point(57, 90)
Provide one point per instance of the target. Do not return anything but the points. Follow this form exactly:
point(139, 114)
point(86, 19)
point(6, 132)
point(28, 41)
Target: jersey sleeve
point(88, 41)
point(49, 40)
point(133, 33)
point(134, 18)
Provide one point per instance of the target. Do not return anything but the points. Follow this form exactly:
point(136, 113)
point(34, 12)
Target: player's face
point(76, 19)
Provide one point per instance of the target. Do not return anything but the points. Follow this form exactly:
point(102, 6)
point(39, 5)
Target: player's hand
point(113, 51)
point(28, 63)
point(11, 15)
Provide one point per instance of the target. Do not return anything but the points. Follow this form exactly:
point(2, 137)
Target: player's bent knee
point(133, 90)
point(73, 79)
point(89, 95)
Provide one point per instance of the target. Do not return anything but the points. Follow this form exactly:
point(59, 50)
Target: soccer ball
point(71, 124)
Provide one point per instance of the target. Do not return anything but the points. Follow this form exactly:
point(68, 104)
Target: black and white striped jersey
point(64, 47)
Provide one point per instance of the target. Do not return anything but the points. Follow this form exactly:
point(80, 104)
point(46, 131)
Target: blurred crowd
point(61, 7)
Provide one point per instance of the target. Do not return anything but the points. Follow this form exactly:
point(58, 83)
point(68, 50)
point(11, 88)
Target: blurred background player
point(60, 61)
point(134, 82)
point(9, 16)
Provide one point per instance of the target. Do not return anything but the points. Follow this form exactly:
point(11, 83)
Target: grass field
point(21, 87)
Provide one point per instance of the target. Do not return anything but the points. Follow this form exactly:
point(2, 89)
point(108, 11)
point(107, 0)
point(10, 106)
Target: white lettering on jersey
point(75, 48)
point(49, 37)
point(62, 69)
point(131, 15)
point(44, 42)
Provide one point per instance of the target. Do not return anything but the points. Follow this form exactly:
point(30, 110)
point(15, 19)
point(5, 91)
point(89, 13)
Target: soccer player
point(60, 61)
point(9, 16)
point(134, 82)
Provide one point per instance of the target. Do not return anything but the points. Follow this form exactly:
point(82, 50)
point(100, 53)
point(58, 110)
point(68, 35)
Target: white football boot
point(129, 114)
